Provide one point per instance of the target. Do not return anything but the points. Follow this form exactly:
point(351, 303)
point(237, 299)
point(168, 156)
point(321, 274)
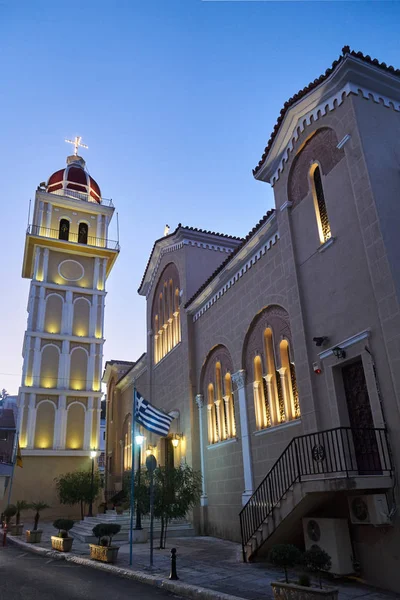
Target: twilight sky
point(176, 100)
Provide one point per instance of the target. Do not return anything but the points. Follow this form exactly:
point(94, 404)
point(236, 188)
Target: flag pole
point(132, 500)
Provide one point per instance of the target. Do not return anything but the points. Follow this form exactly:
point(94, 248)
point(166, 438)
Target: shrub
point(63, 526)
point(10, 512)
point(317, 560)
point(284, 556)
point(106, 530)
point(304, 580)
point(20, 506)
point(38, 507)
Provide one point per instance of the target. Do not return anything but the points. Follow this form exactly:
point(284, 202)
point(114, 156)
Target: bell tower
point(68, 258)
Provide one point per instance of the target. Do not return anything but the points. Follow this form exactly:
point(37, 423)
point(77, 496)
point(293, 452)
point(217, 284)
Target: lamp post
point(93, 455)
point(139, 439)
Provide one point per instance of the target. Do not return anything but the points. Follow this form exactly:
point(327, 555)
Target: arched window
point(166, 313)
point(324, 228)
point(82, 233)
point(63, 232)
point(217, 385)
point(276, 398)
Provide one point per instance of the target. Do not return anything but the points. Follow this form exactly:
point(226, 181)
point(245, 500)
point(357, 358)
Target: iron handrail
point(75, 238)
point(343, 451)
point(79, 196)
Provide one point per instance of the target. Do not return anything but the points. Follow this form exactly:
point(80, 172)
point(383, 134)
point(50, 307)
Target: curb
point(182, 589)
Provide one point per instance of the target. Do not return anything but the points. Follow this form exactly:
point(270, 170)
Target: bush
point(284, 556)
point(106, 530)
point(317, 560)
point(10, 512)
point(63, 526)
point(304, 580)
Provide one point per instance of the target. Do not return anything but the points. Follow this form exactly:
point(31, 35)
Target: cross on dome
point(77, 143)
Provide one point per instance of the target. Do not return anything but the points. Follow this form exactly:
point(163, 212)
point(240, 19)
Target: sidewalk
point(209, 563)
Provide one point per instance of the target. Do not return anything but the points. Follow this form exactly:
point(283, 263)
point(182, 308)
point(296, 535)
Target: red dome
point(74, 177)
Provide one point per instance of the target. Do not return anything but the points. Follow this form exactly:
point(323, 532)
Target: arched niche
point(80, 324)
point(53, 314)
point(45, 419)
point(75, 426)
point(49, 366)
point(78, 369)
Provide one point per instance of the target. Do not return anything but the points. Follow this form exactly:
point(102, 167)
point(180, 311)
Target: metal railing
point(75, 238)
point(340, 453)
point(79, 196)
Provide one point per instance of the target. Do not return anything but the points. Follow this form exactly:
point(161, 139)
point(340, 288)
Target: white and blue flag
point(152, 418)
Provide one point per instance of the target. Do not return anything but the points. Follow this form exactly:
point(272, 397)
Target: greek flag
point(152, 418)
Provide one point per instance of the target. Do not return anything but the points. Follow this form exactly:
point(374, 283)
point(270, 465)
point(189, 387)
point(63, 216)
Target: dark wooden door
point(169, 454)
point(361, 421)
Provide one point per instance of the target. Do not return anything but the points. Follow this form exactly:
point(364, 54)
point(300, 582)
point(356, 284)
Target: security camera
point(319, 341)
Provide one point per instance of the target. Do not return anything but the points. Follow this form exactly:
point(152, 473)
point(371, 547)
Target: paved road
point(26, 576)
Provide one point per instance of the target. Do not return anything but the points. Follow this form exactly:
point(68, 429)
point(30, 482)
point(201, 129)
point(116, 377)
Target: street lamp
point(139, 439)
point(93, 455)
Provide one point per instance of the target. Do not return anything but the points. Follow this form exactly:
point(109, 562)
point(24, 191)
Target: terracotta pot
point(16, 529)
point(34, 537)
point(61, 544)
point(106, 554)
point(292, 591)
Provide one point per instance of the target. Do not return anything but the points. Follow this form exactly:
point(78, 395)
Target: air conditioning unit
point(331, 535)
point(369, 509)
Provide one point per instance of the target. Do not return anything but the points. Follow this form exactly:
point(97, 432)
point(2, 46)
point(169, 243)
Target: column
point(27, 346)
point(287, 400)
point(60, 426)
point(45, 263)
point(40, 216)
point(272, 400)
point(90, 369)
point(41, 309)
point(96, 274)
point(98, 231)
point(228, 413)
point(36, 264)
point(36, 363)
point(210, 424)
point(21, 408)
point(64, 366)
point(48, 219)
point(220, 425)
point(31, 306)
point(102, 302)
point(239, 379)
point(88, 424)
point(69, 312)
point(31, 425)
point(93, 316)
point(203, 497)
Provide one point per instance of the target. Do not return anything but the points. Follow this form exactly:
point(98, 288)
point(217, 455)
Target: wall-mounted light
point(176, 439)
point(149, 450)
point(339, 352)
point(139, 439)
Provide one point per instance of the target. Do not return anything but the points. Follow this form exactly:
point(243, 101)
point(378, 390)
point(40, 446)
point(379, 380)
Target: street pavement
point(26, 576)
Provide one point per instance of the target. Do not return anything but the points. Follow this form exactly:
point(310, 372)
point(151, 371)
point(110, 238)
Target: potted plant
point(62, 541)
point(103, 507)
point(9, 512)
point(317, 560)
point(16, 529)
point(287, 556)
point(103, 550)
point(119, 508)
point(34, 536)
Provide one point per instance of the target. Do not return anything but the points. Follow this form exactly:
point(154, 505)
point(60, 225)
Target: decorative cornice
point(239, 273)
point(354, 339)
point(239, 378)
point(328, 105)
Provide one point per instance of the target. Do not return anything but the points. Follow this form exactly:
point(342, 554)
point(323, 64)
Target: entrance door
point(169, 454)
point(360, 415)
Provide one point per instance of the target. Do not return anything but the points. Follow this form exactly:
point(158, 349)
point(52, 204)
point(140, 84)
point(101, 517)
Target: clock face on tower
point(313, 530)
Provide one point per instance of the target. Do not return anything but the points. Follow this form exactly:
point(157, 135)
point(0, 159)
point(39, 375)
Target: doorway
point(360, 417)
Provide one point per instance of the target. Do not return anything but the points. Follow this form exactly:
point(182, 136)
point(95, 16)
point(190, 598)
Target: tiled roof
point(300, 94)
point(231, 255)
point(180, 226)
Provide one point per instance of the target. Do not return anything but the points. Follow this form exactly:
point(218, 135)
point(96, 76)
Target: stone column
point(93, 316)
point(27, 347)
point(21, 408)
point(40, 216)
point(88, 424)
point(200, 405)
point(220, 432)
point(31, 425)
point(31, 306)
point(239, 378)
point(272, 400)
point(41, 309)
point(64, 366)
point(61, 421)
point(90, 368)
point(287, 400)
point(211, 433)
point(49, 213)
point(96, 269)
point(36, 363)
point(45, 263)
point(36, 264)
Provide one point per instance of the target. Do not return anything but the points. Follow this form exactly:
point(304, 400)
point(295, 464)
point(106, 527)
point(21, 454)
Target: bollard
point(173, 575)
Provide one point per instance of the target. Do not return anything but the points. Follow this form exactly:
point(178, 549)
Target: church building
point(68, 258)
point(278, 353)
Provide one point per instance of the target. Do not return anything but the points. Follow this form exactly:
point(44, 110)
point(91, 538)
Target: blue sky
point(176, 100)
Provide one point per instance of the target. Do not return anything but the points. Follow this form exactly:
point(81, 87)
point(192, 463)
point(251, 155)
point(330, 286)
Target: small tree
point(106, 530)
point(76, 488)
point(63, 526)
point(317, 560)
point(38, 507)
point(9, 513)
point(20, 506)
point(285, 556)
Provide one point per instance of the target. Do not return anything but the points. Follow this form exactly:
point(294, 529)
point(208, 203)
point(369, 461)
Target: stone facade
point(294, 330)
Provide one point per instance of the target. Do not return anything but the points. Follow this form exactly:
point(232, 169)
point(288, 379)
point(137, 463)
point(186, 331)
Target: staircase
point(311, 468)
point(83, 530)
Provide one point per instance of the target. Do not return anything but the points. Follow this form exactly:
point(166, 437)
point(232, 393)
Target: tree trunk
point(82, 510)
point(162, 534)
point(165, 533)
point(36, 523)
